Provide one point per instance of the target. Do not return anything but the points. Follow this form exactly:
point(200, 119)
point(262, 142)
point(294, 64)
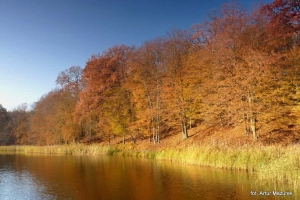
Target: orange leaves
point(234, 69)
point(283, 24)
point(105, 76)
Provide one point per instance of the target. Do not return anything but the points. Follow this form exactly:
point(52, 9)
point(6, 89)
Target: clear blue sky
point(40, 38)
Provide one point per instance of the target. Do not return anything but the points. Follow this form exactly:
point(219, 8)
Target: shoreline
point(275, 163)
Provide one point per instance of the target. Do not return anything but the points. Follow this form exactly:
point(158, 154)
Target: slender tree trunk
point(90, 131)
point(221, 121)
point(253, 127)
point(132, 139)
point(246, 124)
point(252, 116)
point(158, 111)
point(151, 108)
point(184, 130)
point(190, 117)
point(183, 120)
point(153, 135)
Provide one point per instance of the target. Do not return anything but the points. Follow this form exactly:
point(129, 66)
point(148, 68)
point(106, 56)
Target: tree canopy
point(236, 69)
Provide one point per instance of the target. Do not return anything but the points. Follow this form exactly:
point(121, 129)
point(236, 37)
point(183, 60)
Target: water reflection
point(105, 177)
point(21, 185)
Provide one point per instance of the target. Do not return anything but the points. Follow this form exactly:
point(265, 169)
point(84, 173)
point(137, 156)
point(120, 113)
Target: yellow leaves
point(225, 68)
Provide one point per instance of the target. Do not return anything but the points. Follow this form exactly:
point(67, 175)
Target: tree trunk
point(153, 135)
point(90, 129)
point(253, 127)
point(246, 125)
point(252, 116)
point(158, 110)
point(150, 105)
point(221, 121)
point(158, 123)
point(132, 139)
point(184, 130)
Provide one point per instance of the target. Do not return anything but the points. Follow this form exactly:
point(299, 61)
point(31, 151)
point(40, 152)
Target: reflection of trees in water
point(105, 177)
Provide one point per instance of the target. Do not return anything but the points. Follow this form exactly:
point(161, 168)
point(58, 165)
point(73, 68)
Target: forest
point(235, 69)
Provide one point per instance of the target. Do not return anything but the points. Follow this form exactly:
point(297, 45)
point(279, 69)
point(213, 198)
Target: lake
point(118, 177)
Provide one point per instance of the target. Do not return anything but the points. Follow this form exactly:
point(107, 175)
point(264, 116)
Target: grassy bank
point(267, 162)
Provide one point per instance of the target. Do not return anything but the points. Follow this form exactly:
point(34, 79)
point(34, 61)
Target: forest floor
point(197, 136)
point(206, 135)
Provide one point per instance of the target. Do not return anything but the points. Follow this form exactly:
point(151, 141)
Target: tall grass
point(268, 162)
point(59, 149)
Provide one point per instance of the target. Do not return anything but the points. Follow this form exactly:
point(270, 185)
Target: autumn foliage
point(236, 69)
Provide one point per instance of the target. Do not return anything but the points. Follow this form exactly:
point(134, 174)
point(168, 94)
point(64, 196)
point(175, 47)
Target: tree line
point(237, 68)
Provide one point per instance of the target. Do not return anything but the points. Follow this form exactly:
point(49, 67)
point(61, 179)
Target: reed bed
point(279, 164)
point(76, 149)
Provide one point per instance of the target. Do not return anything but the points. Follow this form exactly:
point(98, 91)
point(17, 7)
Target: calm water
point(106, 177)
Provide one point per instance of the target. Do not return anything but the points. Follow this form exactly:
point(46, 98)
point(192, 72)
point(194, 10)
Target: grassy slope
point(206, 147)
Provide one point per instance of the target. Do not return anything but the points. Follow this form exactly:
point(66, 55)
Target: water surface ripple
point(117, 177)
